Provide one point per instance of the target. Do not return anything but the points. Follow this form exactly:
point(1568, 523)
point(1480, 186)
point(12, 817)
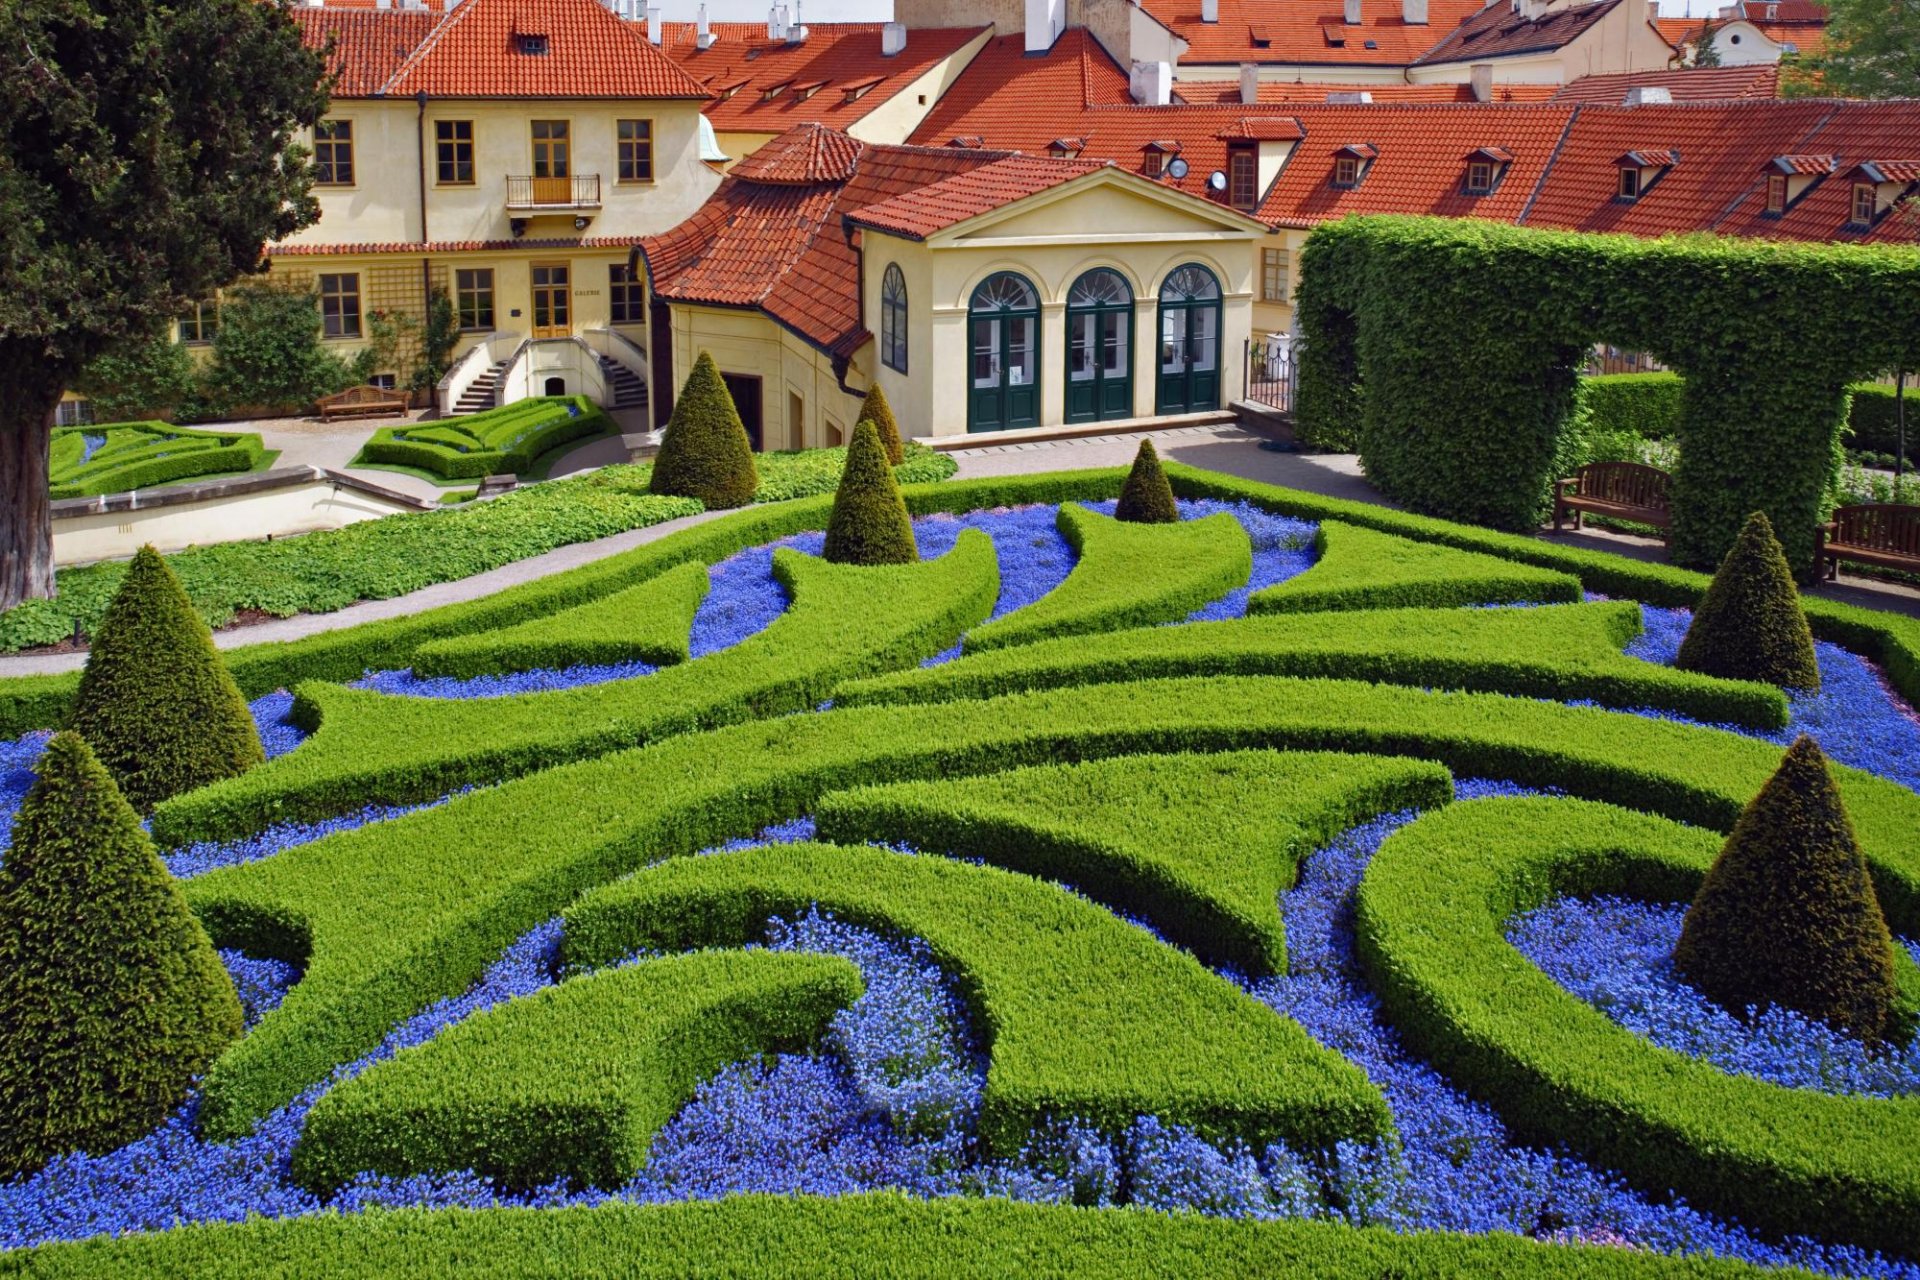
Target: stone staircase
point(624, 387)
point(480, 393)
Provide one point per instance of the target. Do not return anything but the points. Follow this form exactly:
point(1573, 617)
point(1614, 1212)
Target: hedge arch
point(1447, 350)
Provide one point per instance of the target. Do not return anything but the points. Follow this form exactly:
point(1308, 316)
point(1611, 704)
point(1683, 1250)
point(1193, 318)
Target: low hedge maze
point(117, 457)
point(499, 441)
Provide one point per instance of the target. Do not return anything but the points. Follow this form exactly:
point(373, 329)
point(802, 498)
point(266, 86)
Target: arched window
point(1189, 341)
point(893, 318)
point(1099, 347)
point(1004, 377)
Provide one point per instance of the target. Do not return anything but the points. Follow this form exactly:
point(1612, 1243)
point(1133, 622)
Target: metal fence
point(1272, 371)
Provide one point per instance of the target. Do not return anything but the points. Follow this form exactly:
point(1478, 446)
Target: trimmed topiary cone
point(876, 410)
point(156, 704)
point(1749, 625)
point(1146, 497)
point(111, 997)
point(869, 524)
point(1788, 915)
point(704, 452)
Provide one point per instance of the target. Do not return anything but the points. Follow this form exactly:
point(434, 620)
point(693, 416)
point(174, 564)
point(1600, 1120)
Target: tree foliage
point(1146, 497)
point(876, 410)
point(111, 997)
point(1750, 626)
point(704, 452)
point(869, 523)
point(267, 353)
point(1871, 50)
point(150, 377)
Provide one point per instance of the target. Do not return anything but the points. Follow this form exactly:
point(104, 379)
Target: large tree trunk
point(30, 389)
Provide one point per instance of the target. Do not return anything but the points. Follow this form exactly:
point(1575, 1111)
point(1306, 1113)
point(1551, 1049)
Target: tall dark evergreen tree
point(876, 410)
point(145, 158)
point(869, 523)
point(1146, 497)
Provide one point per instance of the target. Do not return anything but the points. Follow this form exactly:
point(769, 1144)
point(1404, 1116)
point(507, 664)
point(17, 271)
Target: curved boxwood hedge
point(1128, 575)
point(1199, 846)
point(140, 455)
point(572, 1082)
point(650, 622)
point(1082, 1014)
point(1361, 568)
point(878, 1235)
point(1431, 913)
point(498, 441)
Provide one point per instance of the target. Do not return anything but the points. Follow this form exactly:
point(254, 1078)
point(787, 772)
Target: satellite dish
point(1217, 180)
point(1177, 168)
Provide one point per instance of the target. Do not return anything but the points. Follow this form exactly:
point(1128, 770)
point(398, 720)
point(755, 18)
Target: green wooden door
point(1189, 365)
point(1004, 357)
point(1099, 347)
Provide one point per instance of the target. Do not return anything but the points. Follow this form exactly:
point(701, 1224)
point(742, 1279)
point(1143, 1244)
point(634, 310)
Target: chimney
point(653, 24)
point(1353, 14)
point(1646, 95)
point(1480, 76)
point(1249, 84)
point(1414, 12)
point(1349, 98)
point(797, 33)
point(777, 22)
point(1209, 10)
point(1045, 20)
point(893, 39)
point(1152, 83)
point(702, 29)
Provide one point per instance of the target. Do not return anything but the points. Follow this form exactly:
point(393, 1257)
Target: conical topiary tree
point(876, 410)
point(155, 702)
point(1146, 497)
point(704, 452)
point(1788, 915)
point(1749, 625)
point(869, 524)
point(111, 997)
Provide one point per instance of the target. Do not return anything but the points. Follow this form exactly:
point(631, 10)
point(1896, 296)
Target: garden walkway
point(1215, 447)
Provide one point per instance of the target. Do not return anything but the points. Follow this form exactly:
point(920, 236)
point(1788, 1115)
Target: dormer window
point(1350, 163)
point(774, 90)
point(1629, 182)
point(1066, 148)
point(1866, 203)
point(531, 45)
point(1485, 168)
point(1479, 178)
point(1639, 170)
point(1159, 154)
point(802, 92)
point(1776, 193)
point(860, 89)
point(1878, 185)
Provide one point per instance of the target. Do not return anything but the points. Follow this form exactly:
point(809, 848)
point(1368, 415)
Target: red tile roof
point(474, 52)
point(1891, 170)
point(368, 45)
point(1691, 84)
point(843, 59)
point(951, 201)
point(1036, 97)
point(1262, 129)
point(1498, 32)
point(1678, 32)
point(1804, 164)
point(1807, 38)
point(805, 155)
point(1298, 31)
point(1290, 91)
point(415, 248)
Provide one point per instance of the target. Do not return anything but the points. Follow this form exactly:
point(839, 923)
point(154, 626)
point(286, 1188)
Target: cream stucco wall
point(895, 119)
point(802, 404)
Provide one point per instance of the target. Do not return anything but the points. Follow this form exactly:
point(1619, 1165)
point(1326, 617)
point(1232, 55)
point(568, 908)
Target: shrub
point(155, 701)
point(1787, 915)
point(1361, 568)
point(150, 377)
point(111, 997)
point(140, 455)
point(1749, 625)
point(267, 352)
point(869, 524)
point(876, 410)
point(508, 439)
point(704, 452)
point(1643, 405)
point(1146, 497)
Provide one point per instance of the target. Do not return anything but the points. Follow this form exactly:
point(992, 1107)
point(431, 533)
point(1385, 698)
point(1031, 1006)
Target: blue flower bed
point(1617, 955)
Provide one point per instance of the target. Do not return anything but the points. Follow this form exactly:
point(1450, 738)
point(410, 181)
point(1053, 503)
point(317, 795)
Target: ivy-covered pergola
point(1450, 349)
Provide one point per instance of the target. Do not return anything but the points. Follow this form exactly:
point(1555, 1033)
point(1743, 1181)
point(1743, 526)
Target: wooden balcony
point(553, 195)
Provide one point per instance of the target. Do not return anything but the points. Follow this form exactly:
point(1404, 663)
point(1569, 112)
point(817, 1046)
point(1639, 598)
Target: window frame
point(1867, 193)
point(564, 139)
point(1276, 271)
point(1776, 193)
point(1480, 177)
point(205, 320)
point(621, 143)
point(626, 299)
point(893, 318)
point(336, 297)
point(1630, 187)
point(463, 289)
point(1346, 171)
point(451, 146)
point(1243, 167)
point(335, 135)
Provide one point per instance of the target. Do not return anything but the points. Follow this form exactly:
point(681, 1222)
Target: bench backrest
point(1631, 483)
point(354, 396)
point(1879, 526)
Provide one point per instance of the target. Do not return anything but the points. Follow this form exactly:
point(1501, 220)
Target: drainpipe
point(426, 262)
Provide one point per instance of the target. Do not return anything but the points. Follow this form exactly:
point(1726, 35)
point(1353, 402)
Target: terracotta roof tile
point(1692, 84)
point(1804, 164)
point(476, 52)
point(1296, 32)
point(1262, 129)
point(1497, 32)
point(369, 45)
point(920, 213)
point(1290, 91)
point(1004, 90)
point(414, 247)
point(805, 155)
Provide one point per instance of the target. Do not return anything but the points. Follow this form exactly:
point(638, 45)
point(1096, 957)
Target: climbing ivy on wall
point(1449, 348)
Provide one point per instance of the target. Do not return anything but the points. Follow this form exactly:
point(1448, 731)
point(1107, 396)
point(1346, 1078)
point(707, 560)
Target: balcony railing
point(581, 191)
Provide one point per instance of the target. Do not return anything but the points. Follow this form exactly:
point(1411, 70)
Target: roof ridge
point(433, 36)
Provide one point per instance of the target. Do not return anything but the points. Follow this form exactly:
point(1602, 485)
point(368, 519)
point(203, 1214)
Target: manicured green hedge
point(1644, 405)
point(140, 455)
point(574, 1081)
point(1562, 652)
point(650, 622)
point(1083, 1014)
point(1200, 846)
point(499, 441)
point(380, 748)
point(1128, 575)
point(1360, 568)
point(1452, 344)
point(381, 930)
point(1431, 913)
point(881, 1235)
point(1874, 420)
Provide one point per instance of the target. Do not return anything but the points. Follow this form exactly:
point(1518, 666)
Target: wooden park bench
point(356, 402)
point(1886, 534)
point(1622, 490)
point(494, 486)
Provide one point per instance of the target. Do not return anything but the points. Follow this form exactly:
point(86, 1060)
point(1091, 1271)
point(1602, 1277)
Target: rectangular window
point(1243, 179)
point(333, 153)
point(340, 305)
point(1866, 203)
point(1346, 172)
point(453, 148)
point(1629, 183)
point(636, 151)
point(473, 297)
point(384, 381)
point(73, 413)
point(551, 150)
point(1275, 266)
point(199, 322)
point(1479, 178)
point(626, 300)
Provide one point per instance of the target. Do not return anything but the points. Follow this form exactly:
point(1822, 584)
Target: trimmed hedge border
point(1082, 1013)
point(1431, 911)
point(878, 1235)
point(381, 931)
point(1361, 568)
point(136, 455)
point(507, 439)
point(572, 1082)
point(1563, 652)
point(1200, 846)
point(1128, 575)
point(651, 622)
